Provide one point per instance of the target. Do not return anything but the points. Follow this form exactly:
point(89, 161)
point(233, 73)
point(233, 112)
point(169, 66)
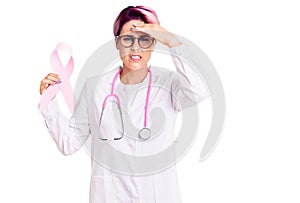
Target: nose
point(135, 46)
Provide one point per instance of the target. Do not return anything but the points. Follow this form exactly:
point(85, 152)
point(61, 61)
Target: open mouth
point(135, 57)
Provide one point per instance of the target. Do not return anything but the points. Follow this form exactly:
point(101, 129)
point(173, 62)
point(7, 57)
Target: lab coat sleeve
point(188, 86)
point(68, 134)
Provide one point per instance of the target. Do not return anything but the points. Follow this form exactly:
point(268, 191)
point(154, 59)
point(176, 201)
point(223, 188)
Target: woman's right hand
point(50, 79)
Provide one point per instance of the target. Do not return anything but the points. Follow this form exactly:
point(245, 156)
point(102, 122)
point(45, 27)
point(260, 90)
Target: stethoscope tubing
point(112, 94)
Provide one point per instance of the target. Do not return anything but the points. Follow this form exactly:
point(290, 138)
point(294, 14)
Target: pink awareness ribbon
point(64, 74)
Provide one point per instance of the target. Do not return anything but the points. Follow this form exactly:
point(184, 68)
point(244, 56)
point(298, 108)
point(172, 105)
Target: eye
point(127, 38)
point(145, 39)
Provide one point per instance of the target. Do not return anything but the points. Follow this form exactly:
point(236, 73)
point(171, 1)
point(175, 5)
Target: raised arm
point(68, 134)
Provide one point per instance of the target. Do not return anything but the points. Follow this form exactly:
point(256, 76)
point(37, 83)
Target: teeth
point(135, 57)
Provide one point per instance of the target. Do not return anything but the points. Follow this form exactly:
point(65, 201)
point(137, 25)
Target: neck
point(133, 76)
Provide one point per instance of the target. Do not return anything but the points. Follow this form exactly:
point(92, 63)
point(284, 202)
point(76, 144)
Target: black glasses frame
point(133, 40)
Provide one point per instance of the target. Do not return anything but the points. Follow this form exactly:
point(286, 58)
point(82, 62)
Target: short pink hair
point(142, 13)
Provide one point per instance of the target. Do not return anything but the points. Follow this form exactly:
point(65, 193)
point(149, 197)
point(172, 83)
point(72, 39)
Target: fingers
point(138, 24)
point(141, 26)
point(50, 79)
point(155, 30)
point(158, 32)
point(138, 29)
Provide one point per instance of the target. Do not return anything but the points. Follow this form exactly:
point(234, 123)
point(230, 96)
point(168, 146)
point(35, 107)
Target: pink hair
point(143, 13)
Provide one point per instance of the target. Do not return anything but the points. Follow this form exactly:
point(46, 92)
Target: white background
point(255, 47)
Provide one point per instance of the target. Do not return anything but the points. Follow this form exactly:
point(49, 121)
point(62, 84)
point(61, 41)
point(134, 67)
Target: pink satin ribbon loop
point(64, 74)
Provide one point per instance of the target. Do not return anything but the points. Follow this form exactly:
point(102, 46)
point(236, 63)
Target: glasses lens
point(145, 41)
point(127, 40)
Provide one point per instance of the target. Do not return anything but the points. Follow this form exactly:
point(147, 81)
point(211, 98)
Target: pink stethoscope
point(145, 132)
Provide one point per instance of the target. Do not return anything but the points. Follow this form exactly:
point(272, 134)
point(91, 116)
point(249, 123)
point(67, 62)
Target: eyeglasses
point(144, 41)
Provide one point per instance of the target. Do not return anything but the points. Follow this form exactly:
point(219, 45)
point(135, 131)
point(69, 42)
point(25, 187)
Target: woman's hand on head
point(50, 79)
point(158, 32)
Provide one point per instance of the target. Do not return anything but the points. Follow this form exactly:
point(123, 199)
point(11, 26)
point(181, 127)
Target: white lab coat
point(170, 92)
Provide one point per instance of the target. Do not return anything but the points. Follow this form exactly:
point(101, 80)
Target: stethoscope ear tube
point(122, 123)
point(100, 121)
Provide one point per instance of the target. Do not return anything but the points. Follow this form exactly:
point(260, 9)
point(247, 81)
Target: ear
point(116, 42)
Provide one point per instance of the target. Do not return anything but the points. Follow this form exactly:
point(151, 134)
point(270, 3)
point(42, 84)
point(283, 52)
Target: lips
point(135, 57)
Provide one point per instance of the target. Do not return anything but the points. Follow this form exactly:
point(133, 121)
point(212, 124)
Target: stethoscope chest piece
point(145, 133)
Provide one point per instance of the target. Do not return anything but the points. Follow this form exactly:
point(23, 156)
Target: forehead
point(136, 34)
point(126, 27)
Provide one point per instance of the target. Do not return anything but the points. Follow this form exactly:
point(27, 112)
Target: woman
point(149, 99)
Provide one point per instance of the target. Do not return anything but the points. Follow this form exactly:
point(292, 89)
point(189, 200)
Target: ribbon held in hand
point(64, 74)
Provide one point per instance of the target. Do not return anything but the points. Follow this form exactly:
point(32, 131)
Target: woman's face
point(134, 57)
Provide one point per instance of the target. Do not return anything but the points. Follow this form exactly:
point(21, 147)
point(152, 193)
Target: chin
point(136, 66)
